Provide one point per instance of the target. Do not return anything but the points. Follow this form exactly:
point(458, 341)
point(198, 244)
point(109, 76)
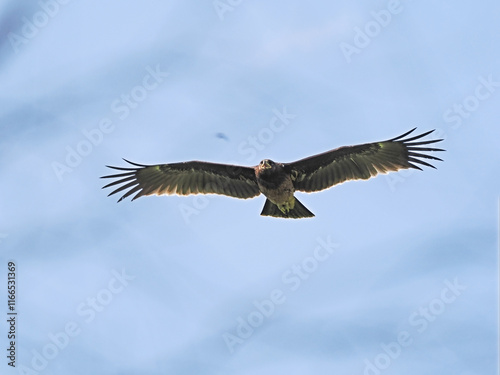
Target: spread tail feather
point(298, 211)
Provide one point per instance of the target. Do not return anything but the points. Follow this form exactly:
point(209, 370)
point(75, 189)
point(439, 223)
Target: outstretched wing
point(193, 177)
point(333, 167)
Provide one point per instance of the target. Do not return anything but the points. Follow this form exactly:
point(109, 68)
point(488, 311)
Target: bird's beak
point(266, 165)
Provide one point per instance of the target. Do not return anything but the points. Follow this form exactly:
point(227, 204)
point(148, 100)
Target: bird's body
point(277, 181)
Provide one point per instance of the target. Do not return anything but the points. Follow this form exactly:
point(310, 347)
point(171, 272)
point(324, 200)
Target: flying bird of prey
point(277, 181)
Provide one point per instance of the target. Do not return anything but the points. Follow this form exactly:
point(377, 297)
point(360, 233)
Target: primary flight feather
point(277, 181)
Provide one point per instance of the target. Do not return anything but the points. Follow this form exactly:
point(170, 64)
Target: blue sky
point(398, 274)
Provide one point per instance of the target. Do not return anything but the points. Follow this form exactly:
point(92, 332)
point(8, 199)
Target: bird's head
point(266, 164)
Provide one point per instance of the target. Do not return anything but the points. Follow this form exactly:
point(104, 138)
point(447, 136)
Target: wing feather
point(364, 161)
point(194, 177)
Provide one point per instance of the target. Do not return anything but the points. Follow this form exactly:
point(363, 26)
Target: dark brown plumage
point(277, 181)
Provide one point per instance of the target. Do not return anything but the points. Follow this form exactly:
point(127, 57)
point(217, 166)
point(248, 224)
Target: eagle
point(277, 181)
